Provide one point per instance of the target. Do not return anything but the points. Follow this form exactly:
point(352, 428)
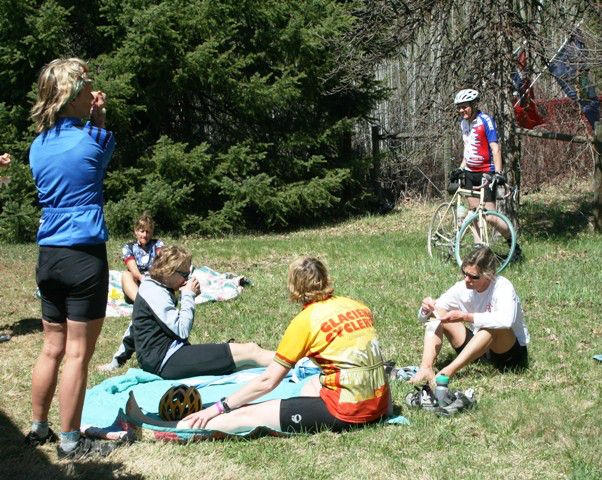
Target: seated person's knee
point(252, 347)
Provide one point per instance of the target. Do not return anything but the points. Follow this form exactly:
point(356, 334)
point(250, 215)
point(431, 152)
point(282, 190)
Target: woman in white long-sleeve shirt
point(480, 315)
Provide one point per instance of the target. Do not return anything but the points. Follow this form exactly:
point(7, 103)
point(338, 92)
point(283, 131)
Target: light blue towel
point(103, 402)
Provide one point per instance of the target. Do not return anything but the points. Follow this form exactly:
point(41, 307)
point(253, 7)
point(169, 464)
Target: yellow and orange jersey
point(338, 334)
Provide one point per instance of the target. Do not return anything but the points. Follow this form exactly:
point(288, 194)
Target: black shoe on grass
point(34, 440)
point(422, 397)
point(517, 256)
point(88, 447)
point(461, 401)
point(389, 367)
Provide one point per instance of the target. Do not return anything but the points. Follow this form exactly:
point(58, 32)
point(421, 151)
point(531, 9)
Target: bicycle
point(451, 234)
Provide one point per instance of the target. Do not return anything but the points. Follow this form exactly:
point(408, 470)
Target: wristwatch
point(227, 408)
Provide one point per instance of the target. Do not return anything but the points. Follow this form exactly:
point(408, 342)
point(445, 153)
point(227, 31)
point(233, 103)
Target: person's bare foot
point(423, 375)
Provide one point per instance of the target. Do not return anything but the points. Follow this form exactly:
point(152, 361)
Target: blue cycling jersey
point(68, 163)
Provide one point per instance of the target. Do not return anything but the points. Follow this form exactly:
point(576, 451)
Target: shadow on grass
point(20, 462)
point(556, 218)
point(25, 326)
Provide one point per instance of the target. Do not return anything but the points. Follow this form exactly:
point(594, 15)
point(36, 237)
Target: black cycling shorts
point(517, 358)
point(310, 415)
point(514, 359)
point(73, 282)
point(474, 179)
point(467, 339)
point(202, 359)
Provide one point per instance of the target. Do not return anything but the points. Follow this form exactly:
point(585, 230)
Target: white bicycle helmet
point(466, 95)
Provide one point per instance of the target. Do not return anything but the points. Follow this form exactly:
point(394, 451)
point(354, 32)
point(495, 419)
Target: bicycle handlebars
point(488, 180)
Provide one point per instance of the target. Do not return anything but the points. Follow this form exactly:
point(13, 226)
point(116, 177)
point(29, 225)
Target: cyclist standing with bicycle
point(482, 155)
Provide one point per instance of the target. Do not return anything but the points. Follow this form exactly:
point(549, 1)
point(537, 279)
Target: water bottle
point(442, 390)
point(460, 213)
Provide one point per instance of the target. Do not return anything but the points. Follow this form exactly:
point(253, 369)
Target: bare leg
point(81, 342)
point(454, 332)
point(129, 285)
point(246, 418)
point(246, 355)
point(45, 371)
point(496, 222)
point(432, 346)
point(474, 349)
point(311, 388)
point(503, 340)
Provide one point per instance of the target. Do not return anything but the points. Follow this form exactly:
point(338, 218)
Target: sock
point(40, 428)
point(114, 365)
point(69, 440)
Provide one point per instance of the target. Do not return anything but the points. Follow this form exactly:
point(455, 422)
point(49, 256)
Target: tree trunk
point(598, 179)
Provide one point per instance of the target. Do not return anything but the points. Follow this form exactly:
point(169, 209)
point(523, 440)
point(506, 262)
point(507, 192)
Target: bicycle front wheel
point(470, 237)
point(442, 232)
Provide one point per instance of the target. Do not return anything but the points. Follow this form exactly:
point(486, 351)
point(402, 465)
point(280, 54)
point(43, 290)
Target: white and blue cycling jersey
point(477, 136)
point(144, 256)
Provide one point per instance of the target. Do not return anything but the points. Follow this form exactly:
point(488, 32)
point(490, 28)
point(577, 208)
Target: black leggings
point(202, 359)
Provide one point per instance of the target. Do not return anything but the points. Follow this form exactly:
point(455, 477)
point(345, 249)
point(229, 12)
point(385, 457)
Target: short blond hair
point(144, 220)
point(308, 280)
point(168, 260)
point(59, 82)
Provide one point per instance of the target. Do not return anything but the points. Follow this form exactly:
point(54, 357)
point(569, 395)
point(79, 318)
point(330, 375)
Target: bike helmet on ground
point(466, 95)
point(178, 402)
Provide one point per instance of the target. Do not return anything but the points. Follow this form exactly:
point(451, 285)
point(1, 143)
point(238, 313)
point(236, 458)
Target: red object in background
point(525, 110)
point(560, 114)
point(528, 116)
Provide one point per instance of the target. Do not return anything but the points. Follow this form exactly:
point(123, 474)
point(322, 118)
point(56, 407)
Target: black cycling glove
point(455, 175)
point(499, 178)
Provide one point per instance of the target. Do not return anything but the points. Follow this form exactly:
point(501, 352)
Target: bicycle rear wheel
point(442, 232)
point(468, 238)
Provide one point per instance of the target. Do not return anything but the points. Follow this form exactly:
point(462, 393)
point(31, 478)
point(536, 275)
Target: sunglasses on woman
point(470, 275)
point(184, 275)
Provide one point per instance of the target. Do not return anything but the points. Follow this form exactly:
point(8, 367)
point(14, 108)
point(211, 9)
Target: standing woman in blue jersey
point(68, 160)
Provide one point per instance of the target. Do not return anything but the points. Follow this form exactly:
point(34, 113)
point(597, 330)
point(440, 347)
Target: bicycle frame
point(476, 230)
point(486, 227)
point(457, 201)
point(444, 226)
point(448, 231)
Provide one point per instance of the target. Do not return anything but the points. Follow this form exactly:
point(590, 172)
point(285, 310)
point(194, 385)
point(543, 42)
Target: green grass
point(545, 423)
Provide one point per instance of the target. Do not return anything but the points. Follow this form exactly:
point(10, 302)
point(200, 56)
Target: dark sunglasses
point(470, 275)
point(184, 275)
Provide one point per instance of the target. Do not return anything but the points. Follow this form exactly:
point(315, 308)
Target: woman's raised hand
point(4, 160)
point(193, 285)
point(98, 111)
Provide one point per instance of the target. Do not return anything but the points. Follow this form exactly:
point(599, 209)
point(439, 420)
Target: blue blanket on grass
point(104, 401)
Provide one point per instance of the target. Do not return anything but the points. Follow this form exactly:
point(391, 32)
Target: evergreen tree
point(225, 112)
